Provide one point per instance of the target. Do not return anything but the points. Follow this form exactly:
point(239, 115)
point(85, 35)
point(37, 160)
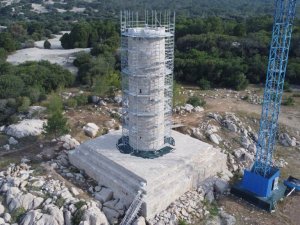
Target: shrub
point(289, 101)
point(11, 86)
point(17, 214)
point(287, 87)
point(182, 222)
point(71, 103)
point(24, 103)
point(81, 99)
point(196, 101)
point(204, 84)
point(47, 44)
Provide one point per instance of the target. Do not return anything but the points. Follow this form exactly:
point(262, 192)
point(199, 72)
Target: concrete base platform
point(167, 178)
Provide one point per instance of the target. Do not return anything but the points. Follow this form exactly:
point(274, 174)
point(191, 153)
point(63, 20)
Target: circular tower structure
point(147, 80)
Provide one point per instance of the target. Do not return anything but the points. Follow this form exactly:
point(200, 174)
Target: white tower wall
point(146, 79)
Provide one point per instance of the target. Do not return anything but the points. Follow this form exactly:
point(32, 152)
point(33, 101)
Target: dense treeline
point(28, 83)
point(228, 53)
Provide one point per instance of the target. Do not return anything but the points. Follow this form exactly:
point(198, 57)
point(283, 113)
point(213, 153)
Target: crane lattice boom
point(278, 59)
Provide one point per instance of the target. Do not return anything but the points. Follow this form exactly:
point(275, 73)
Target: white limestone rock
point(118, 99)
point(111, 215)
point(140, 221)
point(198, 109)
point(245, 142)
point(110, 124)
point(68, 142)
point(198, 134)
point(230, 125)
point(215, 138)
point(2, 209)
point(25, 128)
point(227, 218)
point(104, 195)
point(287, 141)
point(221, 186)
point(12, 141)
point(6, 147)
point(94, 216)
point(91, 129)
point(74, 191)
point(7, 217)
point(188, 108)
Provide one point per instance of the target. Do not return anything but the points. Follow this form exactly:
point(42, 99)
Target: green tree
point(47, 44)
point(56, 125)
point(7, 42)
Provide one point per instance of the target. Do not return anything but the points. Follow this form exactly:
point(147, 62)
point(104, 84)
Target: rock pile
point(288, 141)
point(33, 200)
point(187, 108)
point(195, 205)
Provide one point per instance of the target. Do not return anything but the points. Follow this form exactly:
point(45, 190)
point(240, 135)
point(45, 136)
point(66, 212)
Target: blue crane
point(260, 184)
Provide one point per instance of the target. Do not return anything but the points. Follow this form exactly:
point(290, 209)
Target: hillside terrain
point(61, 85)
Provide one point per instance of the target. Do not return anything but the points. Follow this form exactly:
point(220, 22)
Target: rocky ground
point(41, 187)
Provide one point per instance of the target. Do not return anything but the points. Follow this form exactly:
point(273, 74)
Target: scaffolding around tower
point(147, 61)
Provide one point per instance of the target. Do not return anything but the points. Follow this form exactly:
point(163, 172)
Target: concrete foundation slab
point(167, 178)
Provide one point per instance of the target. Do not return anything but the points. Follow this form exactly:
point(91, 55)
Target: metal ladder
point(133, 209)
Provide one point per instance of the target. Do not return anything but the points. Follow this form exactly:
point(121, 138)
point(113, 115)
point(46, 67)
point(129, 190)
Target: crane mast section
point(278, 60)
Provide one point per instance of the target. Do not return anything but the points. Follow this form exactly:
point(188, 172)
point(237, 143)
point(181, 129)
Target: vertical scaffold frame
point(156, 20)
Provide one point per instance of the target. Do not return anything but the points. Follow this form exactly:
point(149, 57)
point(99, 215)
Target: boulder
point(68, 217)
point(221, 186)
point(140, 221)
point(188, 108)
point(118, 99)
point(6, 147)
point(25, 128)
point(12, 141)
point(215, 138)
point(104, 195)
point(198, 109)
point(111, 215)
point(94, 216)
point(110, 124)
point(210, 196)
point(227, 219)
point(287, 141)
point(230, 125)
point(68, 142)
point(242, 155)
point(252, 148)
point(198, 134)
point(102, 103)
point(95, 99)
point(91, 130)
point(245, 142)
point(2, 209)
point(7, 217)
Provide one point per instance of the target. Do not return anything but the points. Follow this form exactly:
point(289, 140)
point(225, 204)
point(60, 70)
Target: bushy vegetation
point(196, 101)
point(28, 83)
point(215, 52)
point(93, 34)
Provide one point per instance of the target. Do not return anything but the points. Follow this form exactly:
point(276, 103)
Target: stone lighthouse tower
point(147, 81)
